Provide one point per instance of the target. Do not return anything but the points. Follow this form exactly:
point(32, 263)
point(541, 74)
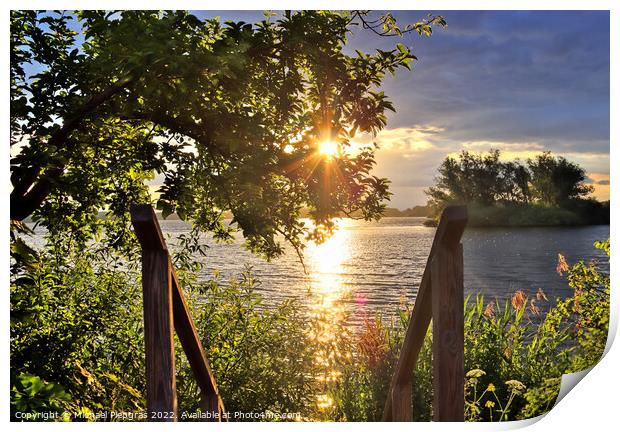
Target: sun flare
point(328, 148)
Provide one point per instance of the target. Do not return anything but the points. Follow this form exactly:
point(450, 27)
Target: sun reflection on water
point(328, 292)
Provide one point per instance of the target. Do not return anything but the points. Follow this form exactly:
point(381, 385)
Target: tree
point(485, 180)
point(476, 178)
point(556, 181)
point(230, 116)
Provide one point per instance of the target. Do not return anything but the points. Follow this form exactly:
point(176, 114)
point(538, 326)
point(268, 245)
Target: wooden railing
point(439, 298)
point(166, 310)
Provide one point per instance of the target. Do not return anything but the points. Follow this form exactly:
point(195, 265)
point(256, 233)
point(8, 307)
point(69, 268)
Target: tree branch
point(31, 190)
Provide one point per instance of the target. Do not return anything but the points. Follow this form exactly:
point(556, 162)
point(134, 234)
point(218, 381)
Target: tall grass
point(515, 353)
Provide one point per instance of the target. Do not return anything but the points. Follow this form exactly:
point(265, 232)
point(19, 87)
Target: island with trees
point(546, 190)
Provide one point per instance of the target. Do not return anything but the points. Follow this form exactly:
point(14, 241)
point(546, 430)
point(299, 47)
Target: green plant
point(260, 355)
point(514, 356)
point(230, 114)
point(30, 395)
point(77, 343)
point(77, 325)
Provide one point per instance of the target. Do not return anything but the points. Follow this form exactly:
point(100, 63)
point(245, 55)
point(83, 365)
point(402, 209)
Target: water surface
point(375, 266)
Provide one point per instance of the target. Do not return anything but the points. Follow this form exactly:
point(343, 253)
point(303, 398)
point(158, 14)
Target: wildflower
point(516, 386)
point(489, 311)
point(508, 353)
point(475, 373)
point(540, 294)
point(518, 300)
point(562, 266)
point(533, 308)
point(491, 388)
point(489, 404)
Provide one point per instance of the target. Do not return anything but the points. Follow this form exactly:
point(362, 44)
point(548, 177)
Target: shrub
point(513, 357)
point(262, 357)
point(77, 339)
point(76, 327)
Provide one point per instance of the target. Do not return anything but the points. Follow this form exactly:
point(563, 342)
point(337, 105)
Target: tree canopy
point(486, 180)
point(229, 116)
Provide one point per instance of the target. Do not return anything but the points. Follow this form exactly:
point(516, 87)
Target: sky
point(520, 81)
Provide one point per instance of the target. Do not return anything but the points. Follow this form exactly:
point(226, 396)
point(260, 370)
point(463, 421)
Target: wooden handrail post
point(440, 297)
point(402, 410)
point(161, 397)
point(166, 310)
point(448, 323)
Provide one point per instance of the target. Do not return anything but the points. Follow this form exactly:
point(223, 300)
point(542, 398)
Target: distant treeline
point(545, 190)
point(417, 211)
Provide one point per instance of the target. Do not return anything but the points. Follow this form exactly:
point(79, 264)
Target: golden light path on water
point(328, 290)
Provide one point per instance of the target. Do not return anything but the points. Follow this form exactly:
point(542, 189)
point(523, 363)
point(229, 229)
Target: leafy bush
point(77, 339)
point(76, 327)
point(262, 357)
point(31, 395)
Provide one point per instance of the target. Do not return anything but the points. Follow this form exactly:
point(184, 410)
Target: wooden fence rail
point(166, 310)
point(440, 298)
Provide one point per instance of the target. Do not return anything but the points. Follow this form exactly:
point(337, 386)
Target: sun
point(328, 148)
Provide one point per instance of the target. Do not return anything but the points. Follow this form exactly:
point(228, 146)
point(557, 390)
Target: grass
point(514, 356)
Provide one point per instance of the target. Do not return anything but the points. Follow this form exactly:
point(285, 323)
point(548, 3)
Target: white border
point(593, 405)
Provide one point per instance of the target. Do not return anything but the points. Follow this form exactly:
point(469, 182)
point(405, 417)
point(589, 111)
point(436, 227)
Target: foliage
point(546, 190)
point(555, 181)
point(261, 356)
point(77, 338)
point(361, 391)
point(481, 179)
point(514, 357)
point(77, 345)
point(76, 327)
point(31, 395)
point(229, 115)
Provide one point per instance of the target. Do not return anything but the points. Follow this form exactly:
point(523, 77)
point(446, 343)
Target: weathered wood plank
point(449, 232)
point(414, 338)
point(192, 346)
point(448, 374)
point(158, 336)
point(213, 405)
point(401, 403)
point(162, 307)
point(147, 228)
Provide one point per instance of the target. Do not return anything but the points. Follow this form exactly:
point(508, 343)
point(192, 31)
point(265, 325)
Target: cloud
point(600, 182)
point(520, 81)
point(409, 157)
point(408, 141)
point(509, 150)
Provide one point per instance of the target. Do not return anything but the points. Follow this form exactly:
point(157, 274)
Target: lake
point(375, 266)
point(369, 267)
